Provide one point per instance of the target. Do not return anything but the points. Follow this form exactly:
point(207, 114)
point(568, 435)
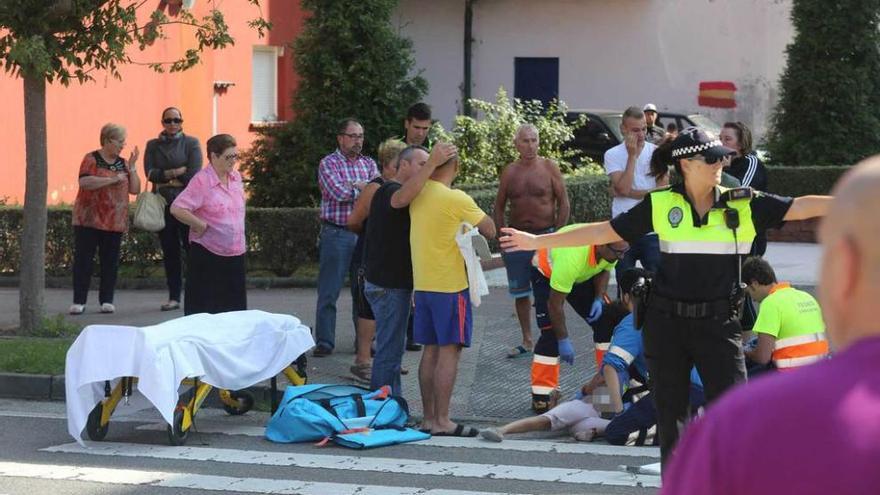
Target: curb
point(29, 386)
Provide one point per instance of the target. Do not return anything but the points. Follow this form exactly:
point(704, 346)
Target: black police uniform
point(689, 319)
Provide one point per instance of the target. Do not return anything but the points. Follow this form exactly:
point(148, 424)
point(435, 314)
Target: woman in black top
point(745, 165)
point(170, 161)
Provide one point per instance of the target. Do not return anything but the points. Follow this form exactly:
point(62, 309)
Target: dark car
point(603, 129)
point(599, 134)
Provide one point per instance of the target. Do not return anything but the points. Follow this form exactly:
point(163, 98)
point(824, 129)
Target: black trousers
point(214, 284)
point(86, 241)
point(174, 239)
point(673, 345)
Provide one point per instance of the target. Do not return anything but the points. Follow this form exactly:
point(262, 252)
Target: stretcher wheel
point(94, 429)
point(244, 402)
point(176, 435)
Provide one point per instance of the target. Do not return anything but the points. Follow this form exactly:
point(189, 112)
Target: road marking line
point(208, 482)
point(358, 463)
point(224, 428)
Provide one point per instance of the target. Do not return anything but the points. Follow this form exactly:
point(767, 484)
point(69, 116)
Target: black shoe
point(412, 346)
point(322, 351)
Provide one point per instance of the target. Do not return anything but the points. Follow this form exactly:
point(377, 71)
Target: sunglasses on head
point(172, 121)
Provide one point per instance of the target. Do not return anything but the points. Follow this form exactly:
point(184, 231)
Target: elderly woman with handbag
point(100, 216)
point(170, 161)
point(212, 205)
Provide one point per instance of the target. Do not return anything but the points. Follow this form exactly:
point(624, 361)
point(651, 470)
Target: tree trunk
point(33, 239)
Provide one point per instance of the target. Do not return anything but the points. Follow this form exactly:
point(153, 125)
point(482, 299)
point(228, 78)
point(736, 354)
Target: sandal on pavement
point(459, 431)
point(108, 308)
point(170, 306)
point(519, 351)
point(362, 372)
point(76, 309)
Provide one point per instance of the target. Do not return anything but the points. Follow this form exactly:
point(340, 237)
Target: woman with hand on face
point(170, 161)
point(100, 216)
point(212, 205)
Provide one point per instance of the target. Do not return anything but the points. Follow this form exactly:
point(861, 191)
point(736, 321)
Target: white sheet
point(228, 350)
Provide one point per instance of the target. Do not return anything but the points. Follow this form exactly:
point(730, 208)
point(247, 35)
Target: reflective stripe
point(603, 346)
point(541, 390)
point(539, 359)
point(704, 247)
point(798, 361)
point(622, 353)
point(800, 339)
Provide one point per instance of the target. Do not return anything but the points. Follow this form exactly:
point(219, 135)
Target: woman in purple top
point(212, 205)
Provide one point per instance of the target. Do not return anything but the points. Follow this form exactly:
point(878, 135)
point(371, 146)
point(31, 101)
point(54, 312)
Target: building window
point(264, 87)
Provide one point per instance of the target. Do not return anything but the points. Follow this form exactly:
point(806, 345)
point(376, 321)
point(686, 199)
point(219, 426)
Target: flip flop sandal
point(460, 431)
point(518, 351)
point(362, 372)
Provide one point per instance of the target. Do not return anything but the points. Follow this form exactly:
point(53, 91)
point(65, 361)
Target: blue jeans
point(335, 248)
point(391, 308)
point(646, 249)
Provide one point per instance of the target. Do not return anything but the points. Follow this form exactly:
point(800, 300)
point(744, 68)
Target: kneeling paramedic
point(579, 275)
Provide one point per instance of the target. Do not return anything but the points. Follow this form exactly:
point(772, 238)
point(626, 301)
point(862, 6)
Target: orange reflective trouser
point(545, 363)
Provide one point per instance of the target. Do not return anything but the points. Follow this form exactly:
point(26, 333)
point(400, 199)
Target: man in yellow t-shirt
point(790, 327)
point(442, 320)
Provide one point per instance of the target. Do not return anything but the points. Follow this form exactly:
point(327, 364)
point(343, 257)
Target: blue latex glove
point(579, 394)
point(566, 350)
point(595, 311)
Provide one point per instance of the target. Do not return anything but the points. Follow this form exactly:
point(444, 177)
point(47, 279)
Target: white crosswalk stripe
point(207, 482)
point(363, 464)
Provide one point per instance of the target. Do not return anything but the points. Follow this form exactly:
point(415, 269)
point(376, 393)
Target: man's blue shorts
point(442, 318)
point(519, 269)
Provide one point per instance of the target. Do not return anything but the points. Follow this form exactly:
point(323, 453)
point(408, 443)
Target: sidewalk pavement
point(489, 386)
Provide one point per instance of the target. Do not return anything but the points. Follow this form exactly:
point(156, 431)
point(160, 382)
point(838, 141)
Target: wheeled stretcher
point(142, 367)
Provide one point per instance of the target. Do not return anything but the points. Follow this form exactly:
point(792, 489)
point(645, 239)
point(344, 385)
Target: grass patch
point(33, 355)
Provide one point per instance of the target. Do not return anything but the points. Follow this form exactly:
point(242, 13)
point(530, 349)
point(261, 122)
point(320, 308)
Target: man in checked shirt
point(341, 176)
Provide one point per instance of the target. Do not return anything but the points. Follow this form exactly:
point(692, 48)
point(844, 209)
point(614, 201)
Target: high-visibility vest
point(671, 217)
point(801, 350)
point(796, 321)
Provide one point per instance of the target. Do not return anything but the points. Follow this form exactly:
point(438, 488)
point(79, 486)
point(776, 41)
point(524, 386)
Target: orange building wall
point(76, 113)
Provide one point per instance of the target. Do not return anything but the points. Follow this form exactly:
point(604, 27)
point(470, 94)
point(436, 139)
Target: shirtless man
point(538, 204)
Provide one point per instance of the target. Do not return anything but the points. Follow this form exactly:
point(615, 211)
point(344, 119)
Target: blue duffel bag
point(349, 415)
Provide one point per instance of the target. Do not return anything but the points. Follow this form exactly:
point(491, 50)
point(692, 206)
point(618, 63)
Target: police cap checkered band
point(693, 150)
point(693, 141)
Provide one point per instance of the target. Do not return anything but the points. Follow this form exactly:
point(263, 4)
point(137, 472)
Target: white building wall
point(436, 28)
point(612, 53)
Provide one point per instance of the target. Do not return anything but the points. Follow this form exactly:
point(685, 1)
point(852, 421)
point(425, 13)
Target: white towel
point(477, 285)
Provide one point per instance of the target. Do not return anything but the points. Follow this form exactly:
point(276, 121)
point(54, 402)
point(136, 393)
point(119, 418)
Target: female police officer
point(704, 230)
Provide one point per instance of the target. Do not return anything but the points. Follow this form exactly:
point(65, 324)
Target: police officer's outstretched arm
point(805, 207)
point(589, 234)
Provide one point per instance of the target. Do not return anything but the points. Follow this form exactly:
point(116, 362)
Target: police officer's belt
point(693, 310)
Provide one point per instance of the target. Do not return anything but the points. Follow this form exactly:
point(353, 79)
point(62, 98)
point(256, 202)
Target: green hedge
point(281, 239)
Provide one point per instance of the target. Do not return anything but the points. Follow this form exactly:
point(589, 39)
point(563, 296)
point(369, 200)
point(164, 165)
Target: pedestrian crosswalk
point(229, 455)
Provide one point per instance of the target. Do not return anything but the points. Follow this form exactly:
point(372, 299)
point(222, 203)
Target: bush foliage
point(351, 63)
point(280, 240)
point(486, 145)
point(829, 92)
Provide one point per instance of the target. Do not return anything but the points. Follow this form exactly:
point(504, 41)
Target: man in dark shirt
point(389, 280)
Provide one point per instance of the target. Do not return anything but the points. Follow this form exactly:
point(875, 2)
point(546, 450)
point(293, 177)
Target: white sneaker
point(108, 308)
point(76, 309)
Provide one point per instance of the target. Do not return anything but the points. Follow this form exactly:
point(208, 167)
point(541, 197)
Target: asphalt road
point(228, 455)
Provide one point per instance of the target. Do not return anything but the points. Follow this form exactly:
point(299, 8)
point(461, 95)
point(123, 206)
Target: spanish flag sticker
point(717, 94)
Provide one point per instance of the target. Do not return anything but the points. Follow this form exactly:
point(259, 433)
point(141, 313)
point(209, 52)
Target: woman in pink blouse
point(212, 205)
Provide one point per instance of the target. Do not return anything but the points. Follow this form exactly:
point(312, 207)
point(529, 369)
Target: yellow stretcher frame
point(234, 402)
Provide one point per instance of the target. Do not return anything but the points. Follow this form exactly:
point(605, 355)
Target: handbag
point(149, 211)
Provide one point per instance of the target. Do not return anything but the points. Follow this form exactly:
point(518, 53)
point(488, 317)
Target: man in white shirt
point(628, 165)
